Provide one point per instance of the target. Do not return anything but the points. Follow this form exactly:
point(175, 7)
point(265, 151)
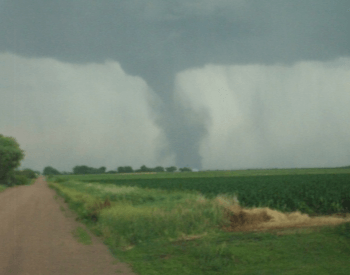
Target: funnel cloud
point(159, 41)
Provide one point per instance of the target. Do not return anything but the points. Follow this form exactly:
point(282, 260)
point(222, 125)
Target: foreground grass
point(306, 252)
point(160, 232)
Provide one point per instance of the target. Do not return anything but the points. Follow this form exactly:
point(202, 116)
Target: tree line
point(11, 156)
point(84, 170)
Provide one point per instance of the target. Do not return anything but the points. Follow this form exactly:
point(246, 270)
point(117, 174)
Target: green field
point(174, 223)
point(204, 174)
point(325, 192)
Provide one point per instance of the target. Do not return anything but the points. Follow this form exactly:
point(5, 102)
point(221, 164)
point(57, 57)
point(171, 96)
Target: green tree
point(144, 168)
point(82, 169)
point(128, 169)
point(101, 170)
point(121, 169)
point(10, 157)
point(171, 169)
point(48, 170)
point(158, 169)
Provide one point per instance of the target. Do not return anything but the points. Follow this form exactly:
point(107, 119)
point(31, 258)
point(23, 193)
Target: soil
point(36, 237)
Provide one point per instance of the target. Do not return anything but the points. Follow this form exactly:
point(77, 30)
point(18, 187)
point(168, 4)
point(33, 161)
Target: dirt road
point(36, 237)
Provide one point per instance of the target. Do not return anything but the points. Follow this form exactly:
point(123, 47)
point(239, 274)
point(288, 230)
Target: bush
point(30, 174)
point(21, 180)
point(18, 180)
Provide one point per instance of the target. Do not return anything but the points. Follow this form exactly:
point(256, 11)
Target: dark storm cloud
point(153, 33)
point(157, 39)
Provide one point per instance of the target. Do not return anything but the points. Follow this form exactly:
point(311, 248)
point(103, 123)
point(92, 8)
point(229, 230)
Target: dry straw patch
point(260, 219)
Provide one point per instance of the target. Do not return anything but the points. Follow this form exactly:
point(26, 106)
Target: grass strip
point(82, 236)
point(128, 223)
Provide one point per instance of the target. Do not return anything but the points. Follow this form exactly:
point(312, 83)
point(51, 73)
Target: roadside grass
point(126, 217)
point(82, 236)
point(26, 181)
point(2, 188)
point(161, 232)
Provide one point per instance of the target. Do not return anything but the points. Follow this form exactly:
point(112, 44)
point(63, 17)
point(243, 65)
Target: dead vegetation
point(261, 219)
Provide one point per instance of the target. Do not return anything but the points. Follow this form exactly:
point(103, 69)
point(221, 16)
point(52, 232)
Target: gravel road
point(36, 237)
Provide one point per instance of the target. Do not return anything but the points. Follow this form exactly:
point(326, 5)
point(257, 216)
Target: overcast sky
point(225, 84)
